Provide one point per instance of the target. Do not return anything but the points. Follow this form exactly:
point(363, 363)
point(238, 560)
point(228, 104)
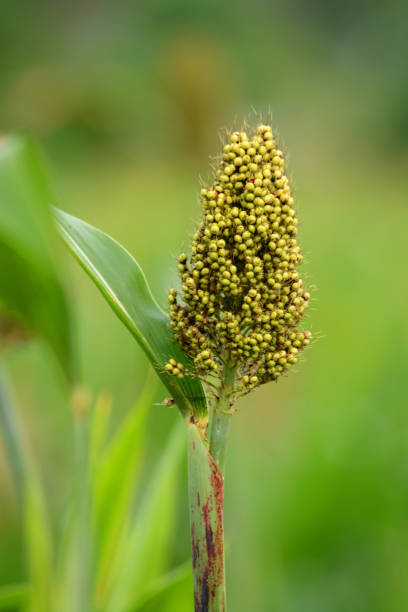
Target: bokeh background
point(127, 99)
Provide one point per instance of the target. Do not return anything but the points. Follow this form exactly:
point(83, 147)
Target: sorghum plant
point(241, 301)
point(232, 327)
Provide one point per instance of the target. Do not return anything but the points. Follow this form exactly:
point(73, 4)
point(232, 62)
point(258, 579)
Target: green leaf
point(123, 284)
point(29, 286)
point(11, 439)
point(114, 496)
point(35, 519)
point(13, 596)
point(145, 548)
point(39, 552)
point(73, 579)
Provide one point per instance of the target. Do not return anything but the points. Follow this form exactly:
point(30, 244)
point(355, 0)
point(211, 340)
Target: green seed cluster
point(242, 297)
point(174, 368)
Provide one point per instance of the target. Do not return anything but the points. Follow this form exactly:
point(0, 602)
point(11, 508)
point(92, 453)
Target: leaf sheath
point(206, 498)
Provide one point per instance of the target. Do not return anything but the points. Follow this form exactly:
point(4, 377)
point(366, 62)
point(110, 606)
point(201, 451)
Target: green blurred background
point(127, 99)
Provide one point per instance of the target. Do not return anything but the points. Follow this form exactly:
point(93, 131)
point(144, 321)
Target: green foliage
point(110, 552)
point(123, 284)
point(110, 557)
point(124, 96)
point(32, 296)
point(39, 546)
point(113, 495)
point(36, 524)
point(146, 544)
point(30, 289)
point(13, 596)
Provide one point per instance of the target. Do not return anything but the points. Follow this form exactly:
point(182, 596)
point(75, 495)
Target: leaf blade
point(30, 289)
point(113, 496)
point(121, 281)
point(36, 524)
point(145, 550)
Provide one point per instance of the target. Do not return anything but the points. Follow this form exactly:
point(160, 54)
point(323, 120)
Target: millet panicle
point(242, 298)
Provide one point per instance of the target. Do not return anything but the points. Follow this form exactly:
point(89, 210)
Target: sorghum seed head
point(241, 292)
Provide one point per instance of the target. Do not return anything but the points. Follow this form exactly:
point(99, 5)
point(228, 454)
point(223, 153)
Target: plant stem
point(206, 495)
point(220, 427)
point(221, 418)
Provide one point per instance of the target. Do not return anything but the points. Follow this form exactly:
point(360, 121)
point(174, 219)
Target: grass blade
point(29, 285)
point(75, 562)
point(145, 549)
point(39, 548)
point(35, 519)
point(123, 284)
point(115, 484)
point(11, 439)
